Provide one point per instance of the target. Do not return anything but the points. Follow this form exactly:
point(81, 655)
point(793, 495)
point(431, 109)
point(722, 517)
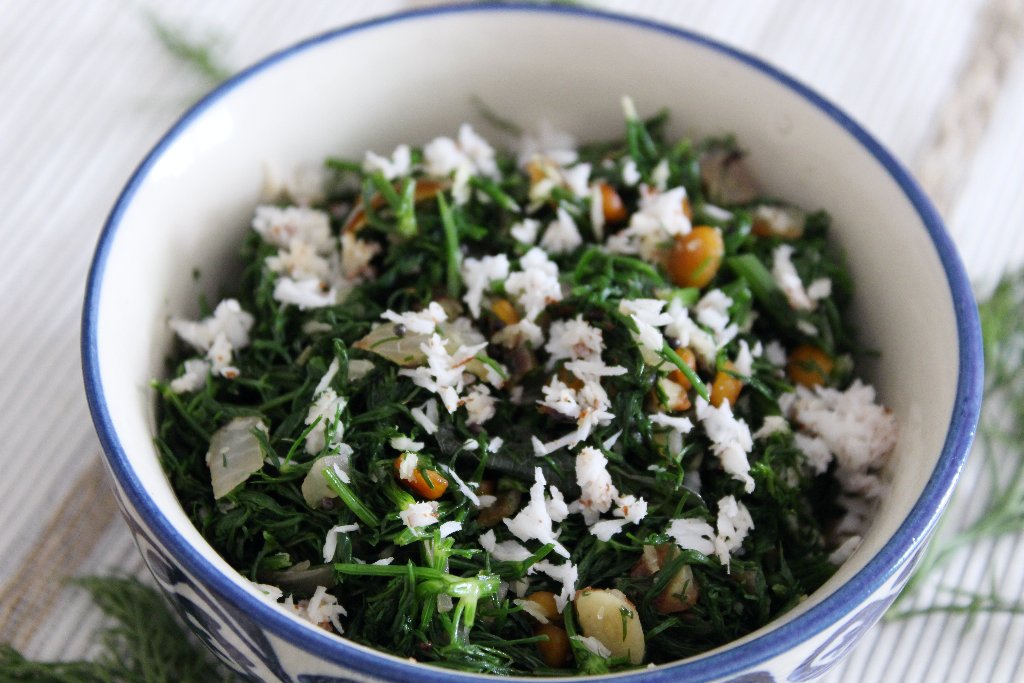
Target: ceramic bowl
point(411, 77)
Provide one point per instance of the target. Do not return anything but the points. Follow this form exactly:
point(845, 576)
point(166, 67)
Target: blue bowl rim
point(897, 551)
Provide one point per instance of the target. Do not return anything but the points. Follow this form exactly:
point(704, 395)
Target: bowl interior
point(387, 83)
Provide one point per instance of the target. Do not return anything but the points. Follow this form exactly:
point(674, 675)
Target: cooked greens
point(486, 387)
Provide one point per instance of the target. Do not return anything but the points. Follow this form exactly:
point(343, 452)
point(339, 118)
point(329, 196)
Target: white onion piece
point(726, 178)
point(358, 368)
point(403, 350)
point(234, 454)
point(407, 352)
point(314, 486)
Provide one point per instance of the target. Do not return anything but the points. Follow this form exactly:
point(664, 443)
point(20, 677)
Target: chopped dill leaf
point(998, 444)
point(143, 642)
point(200, 54)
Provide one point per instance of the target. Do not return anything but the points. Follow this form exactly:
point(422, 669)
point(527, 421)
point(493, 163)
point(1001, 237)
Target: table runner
point(88, 89)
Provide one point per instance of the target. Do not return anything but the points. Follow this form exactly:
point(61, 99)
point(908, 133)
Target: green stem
point(491, 189)
point(267, 406)
point(349, 498)
point(669, 354)
point(421, 573)
point(406, 210)
point(298, 442)
point(451, 237)
point(386, 190)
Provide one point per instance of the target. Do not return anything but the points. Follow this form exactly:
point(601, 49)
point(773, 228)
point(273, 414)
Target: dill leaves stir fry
point(467, 404)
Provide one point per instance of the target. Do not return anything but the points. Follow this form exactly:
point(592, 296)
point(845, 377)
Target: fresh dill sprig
point(199, 54)
point(999, 429)
point(969, 603)
point(143, 643)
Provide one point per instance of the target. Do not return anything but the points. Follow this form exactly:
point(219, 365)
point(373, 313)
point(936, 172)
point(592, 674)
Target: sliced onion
point(359, 368)
point(402, 350)
point(234, 454)
point(726, 178)
point(405, 350)
point(314, 486)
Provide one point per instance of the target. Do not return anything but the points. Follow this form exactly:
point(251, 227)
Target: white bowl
point(414, 76)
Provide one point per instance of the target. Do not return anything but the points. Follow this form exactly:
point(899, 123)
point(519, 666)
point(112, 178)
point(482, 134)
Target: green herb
point(762, 286)
point(350, 499)
point(200, 54)
point(143, 643)
point(451, 240)
point(671, 356)
point(495, 119)
point(998, 443)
